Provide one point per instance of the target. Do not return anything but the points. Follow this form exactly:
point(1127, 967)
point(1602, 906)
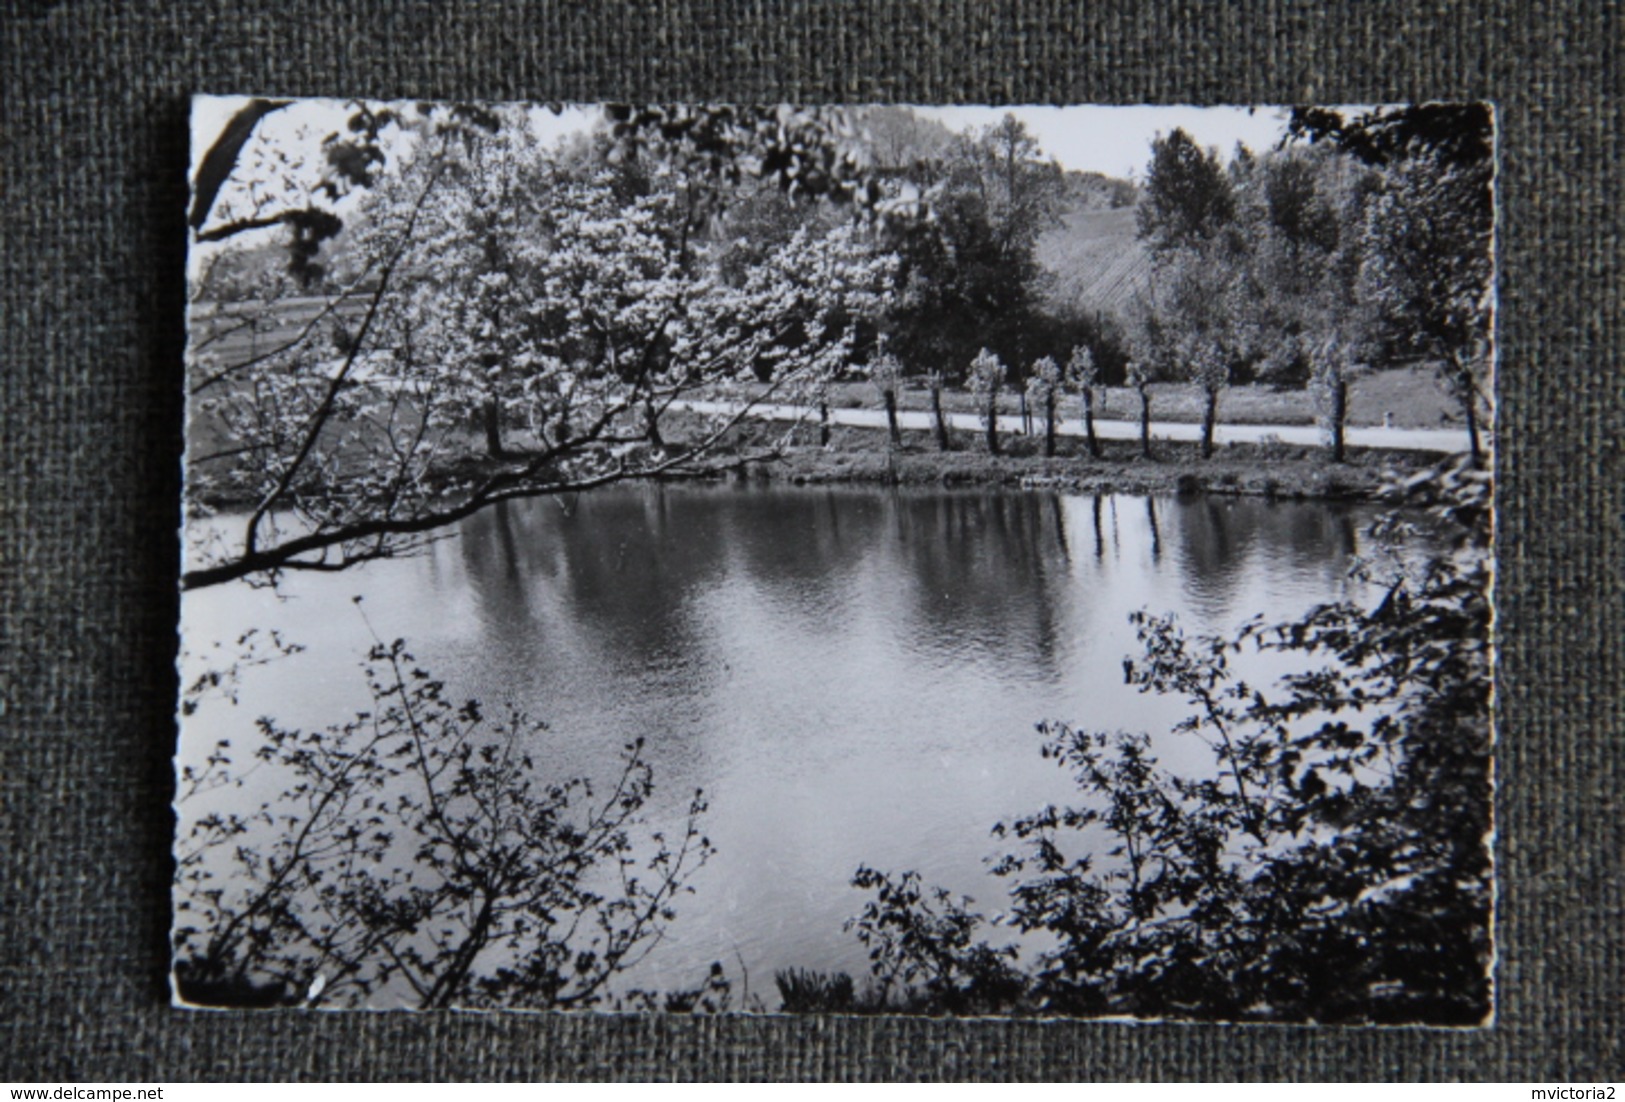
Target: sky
point(1117, 140)
point(1112, 140)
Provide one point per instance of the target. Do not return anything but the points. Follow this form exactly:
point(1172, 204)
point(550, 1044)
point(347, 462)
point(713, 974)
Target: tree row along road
point(1448, 441)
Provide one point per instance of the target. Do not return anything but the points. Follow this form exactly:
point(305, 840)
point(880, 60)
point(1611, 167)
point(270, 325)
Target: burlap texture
point(93, 101)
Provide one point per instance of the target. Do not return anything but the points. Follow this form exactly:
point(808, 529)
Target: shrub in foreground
point(1331, 865)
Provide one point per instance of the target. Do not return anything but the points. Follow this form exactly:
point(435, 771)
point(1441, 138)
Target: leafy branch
point(418, 853)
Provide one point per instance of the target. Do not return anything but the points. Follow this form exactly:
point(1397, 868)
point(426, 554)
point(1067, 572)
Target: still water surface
point(852, 675)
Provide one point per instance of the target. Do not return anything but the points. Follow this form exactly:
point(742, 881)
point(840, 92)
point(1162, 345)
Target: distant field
point(1095, 260)
point(231, 332)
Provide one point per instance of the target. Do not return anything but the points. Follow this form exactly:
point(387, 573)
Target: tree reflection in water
point(850, 675)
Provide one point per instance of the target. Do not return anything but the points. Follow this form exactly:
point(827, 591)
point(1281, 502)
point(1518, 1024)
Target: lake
point(852, 675)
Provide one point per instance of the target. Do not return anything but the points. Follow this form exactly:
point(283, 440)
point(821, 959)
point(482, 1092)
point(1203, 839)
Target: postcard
point(701, 558)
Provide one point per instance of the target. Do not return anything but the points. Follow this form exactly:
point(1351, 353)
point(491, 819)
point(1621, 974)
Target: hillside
point(1094, 260)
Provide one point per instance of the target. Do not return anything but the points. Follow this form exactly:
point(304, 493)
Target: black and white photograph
point(992, 562)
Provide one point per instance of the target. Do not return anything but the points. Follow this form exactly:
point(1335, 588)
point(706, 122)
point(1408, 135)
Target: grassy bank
point(864, 456)
point(860, 455)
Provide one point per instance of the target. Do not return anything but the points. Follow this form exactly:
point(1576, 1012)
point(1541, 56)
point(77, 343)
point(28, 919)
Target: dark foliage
point(1459, 133)
point(1187, 197)
point(1429, 265)
point(969, 273)
point(713, 995)
point(1331, 866)
point(922, 951)
point(798, 148)
point(417, 854)
point(352, 160)
point(803, 991)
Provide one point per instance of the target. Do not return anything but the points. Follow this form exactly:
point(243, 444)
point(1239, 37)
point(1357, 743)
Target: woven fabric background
point(93, 141)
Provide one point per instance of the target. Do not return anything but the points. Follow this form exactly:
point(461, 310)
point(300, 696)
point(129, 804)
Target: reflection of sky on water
point(851, 675)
